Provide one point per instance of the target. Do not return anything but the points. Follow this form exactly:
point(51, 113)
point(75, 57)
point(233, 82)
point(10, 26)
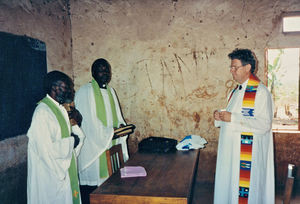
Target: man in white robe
point(232, 123)
point(99, 131)
point(50, 153)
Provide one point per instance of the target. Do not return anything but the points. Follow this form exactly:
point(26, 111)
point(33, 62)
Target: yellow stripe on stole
point(244, 183)
point(246, 157)
point(247, 133)
point(252, 83)
point(248, 104)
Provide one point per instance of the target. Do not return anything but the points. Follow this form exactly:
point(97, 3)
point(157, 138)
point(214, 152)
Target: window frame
point(266, 62)
point(290, 14)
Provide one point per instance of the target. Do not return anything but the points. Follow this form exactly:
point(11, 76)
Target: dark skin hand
point(76, 139)
point(117, 136)
point(75, 115)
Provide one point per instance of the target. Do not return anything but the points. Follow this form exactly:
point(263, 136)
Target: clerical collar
point(240, 86)
point(103, 86)
point(54, 101)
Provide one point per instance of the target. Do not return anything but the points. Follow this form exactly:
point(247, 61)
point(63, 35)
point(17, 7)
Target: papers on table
point(133, 171)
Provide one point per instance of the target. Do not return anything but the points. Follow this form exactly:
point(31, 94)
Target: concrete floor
point(204, 193)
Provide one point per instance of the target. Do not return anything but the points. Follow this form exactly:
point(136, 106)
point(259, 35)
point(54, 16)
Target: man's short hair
point(100, 63)
point(246, 56)
point(53, 77)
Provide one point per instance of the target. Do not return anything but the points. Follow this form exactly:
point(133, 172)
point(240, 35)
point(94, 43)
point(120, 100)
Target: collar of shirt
point(54, 101)
point(243, 85)
point(63, 110)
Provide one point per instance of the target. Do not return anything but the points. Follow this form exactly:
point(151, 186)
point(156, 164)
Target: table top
point(169, 179)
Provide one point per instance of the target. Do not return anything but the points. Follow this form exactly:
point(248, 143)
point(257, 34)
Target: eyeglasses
point(235, 68)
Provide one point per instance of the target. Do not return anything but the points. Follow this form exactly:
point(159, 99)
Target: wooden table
point(169, 179)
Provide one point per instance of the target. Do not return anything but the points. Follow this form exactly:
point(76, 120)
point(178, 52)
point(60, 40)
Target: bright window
point(283, 83)
point(291, 23)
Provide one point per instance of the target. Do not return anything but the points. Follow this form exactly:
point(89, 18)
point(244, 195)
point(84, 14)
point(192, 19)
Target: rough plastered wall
point(48, 21)
point(169, 58)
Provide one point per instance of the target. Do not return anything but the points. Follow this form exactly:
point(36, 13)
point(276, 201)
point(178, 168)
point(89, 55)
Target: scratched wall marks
point(178, 91)
point(144, 42)
point(169, 58)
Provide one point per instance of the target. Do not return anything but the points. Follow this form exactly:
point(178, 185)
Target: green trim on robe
point(64, 134)
point(103, 162)
point(101, 115)
point(100, 107)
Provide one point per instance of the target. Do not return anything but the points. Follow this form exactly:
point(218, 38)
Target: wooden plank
point(125, 199)
point(169, 180)
point(288, 190)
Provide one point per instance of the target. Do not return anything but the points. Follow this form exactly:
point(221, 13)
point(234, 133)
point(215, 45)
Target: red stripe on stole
point(249, 95)
point(243, 200)
point(246, 149)
point(245, 175)
point(253, 78)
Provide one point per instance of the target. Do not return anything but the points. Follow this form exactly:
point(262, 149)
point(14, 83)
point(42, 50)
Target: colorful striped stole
point(247, 140)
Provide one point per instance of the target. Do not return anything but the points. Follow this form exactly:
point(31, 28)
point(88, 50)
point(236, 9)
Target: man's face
point(102, 75)
point(239, 72)
point(64, 92)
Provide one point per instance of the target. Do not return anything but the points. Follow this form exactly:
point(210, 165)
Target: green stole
point(100, 107)
point(101, 115)
point(64, 134)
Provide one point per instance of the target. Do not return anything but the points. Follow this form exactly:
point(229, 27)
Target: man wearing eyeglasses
point(52, 148)
point(245, 161)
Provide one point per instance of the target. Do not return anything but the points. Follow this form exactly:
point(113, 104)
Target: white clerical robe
point(228, 158)
point(49, 157)
point(98, 137)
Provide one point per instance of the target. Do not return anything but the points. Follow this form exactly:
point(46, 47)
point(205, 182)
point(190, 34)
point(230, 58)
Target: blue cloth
point(191, 142)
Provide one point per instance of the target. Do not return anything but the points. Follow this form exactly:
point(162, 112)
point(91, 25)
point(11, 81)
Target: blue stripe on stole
point(251, 88)
point(244, 192)
point(248, 112)
point(245, 165)
point(246, 141)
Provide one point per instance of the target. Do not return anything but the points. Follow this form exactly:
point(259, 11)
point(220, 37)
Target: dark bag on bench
point(157, 145)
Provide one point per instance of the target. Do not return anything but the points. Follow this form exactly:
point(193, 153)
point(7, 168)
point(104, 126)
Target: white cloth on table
point(191, 142)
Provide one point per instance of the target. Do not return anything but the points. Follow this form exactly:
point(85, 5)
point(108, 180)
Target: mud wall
point(48, 21)
point(169, 58)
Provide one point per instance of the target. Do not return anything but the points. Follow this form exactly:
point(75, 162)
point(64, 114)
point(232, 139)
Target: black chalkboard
point(22, 68)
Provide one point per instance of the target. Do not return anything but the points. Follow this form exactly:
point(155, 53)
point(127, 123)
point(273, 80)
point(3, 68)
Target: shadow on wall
point(286, 151)
point(13, 182)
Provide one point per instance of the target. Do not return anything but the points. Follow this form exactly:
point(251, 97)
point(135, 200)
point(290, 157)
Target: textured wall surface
point(169, 58)
point(13, 170)
point(48, 21)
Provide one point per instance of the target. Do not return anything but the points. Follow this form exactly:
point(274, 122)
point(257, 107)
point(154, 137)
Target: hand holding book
point(124, 130)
